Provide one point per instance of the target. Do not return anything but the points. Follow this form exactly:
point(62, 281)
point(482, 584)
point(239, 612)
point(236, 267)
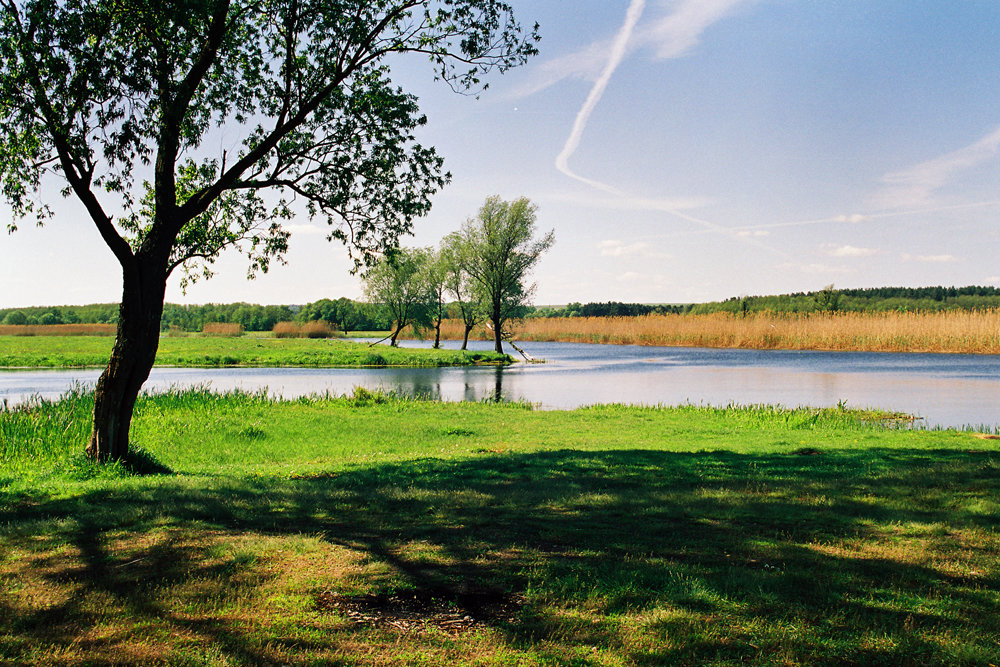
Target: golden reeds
point(971, 332)
point(58, 329)
point(227, 329)
point(313, 329)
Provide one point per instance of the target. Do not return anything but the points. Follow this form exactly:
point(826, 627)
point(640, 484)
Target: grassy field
point(971, 332)
point(375, 531)
point(81, 351)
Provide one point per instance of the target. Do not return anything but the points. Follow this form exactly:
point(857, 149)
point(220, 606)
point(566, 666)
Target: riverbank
point(373, 531)
point(967, 332)
point(246, 350)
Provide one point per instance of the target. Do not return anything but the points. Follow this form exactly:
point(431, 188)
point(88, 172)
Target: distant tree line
point(97, 313)
point(348, 315)
point(343, 313)
point(875, 299)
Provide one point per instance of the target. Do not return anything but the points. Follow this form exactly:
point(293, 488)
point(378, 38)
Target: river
point(943, 390)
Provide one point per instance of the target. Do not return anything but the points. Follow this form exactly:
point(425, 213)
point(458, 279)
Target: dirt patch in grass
point(418, 611)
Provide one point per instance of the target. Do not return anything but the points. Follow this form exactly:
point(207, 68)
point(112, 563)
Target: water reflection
point(948, 390)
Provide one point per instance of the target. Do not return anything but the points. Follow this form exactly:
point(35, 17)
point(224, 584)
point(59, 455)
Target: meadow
point(969, 332)
point(209, 351)
point(371, 530)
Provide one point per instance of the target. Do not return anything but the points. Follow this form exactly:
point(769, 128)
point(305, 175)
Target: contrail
point(618, 50)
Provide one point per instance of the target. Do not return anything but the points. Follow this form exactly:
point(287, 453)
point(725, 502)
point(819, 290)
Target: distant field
point(374, 531)
point(971, 332)
point(249, 350)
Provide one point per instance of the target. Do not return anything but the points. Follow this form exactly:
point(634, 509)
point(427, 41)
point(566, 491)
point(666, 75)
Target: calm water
point(945, 390)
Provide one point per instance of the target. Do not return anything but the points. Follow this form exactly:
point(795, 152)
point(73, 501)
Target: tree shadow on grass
point(841, 558)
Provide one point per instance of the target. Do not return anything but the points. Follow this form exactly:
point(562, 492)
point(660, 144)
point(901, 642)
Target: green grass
point(197, 351)
point(362, 530)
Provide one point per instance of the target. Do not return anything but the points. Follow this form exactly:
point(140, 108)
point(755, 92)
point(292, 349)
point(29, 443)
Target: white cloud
point(853, 218)
point(629, 276)
point(619, 249)
point(816, 268)
point(931, 259)
point(298, 228)
point(917, 185)
point(850, 251)
point(752, 233)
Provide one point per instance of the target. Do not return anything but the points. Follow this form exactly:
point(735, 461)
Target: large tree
point(124, 102)
point(499, 252)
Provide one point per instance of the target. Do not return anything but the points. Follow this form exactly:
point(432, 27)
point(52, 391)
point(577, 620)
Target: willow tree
point(400, 285)
point(125, 101)
point(499, 252)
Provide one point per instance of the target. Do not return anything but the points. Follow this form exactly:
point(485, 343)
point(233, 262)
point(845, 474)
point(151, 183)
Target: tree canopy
point(118, 99)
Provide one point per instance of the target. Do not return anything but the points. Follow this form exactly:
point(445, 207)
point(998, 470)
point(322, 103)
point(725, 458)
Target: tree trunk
point(395, 334)
point(437, 334)
point(497, 335)
point(465, 339)
point(131, 360)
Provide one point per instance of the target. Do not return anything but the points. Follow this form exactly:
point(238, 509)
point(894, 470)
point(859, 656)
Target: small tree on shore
point(437, 286)
point(499, 251)
point(468, 296)
point(399, 284)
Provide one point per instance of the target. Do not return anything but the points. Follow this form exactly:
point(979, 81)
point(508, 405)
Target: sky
point(682, 151)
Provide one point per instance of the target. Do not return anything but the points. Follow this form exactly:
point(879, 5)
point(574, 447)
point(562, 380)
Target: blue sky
point(682, 150)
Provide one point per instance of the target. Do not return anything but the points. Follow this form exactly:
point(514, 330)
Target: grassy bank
point(374, 532)
point(82, 351)
point(970, 332)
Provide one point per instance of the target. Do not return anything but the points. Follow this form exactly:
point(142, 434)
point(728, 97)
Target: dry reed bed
point(313, 329)
point(58, 329)
point(223, 329)
point(973, 332)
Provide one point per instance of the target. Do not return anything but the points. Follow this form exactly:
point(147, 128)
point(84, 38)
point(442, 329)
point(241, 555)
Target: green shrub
point(16, 318)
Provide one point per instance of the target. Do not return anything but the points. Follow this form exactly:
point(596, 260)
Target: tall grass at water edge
point(969, 332)
point(41, 432)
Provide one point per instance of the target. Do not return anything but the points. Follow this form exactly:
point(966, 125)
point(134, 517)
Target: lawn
point(247, 350)
point(375, 531)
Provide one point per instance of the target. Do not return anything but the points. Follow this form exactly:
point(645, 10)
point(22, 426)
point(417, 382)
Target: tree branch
point(76, 174)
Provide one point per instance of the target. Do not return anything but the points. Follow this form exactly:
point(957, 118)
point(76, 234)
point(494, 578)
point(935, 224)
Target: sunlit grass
point(615, 535)
point(247, 350)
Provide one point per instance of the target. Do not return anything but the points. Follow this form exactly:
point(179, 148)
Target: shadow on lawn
point(716, 537)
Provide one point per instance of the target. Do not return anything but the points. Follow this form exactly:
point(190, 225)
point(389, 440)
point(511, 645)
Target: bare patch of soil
point(418, 611)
